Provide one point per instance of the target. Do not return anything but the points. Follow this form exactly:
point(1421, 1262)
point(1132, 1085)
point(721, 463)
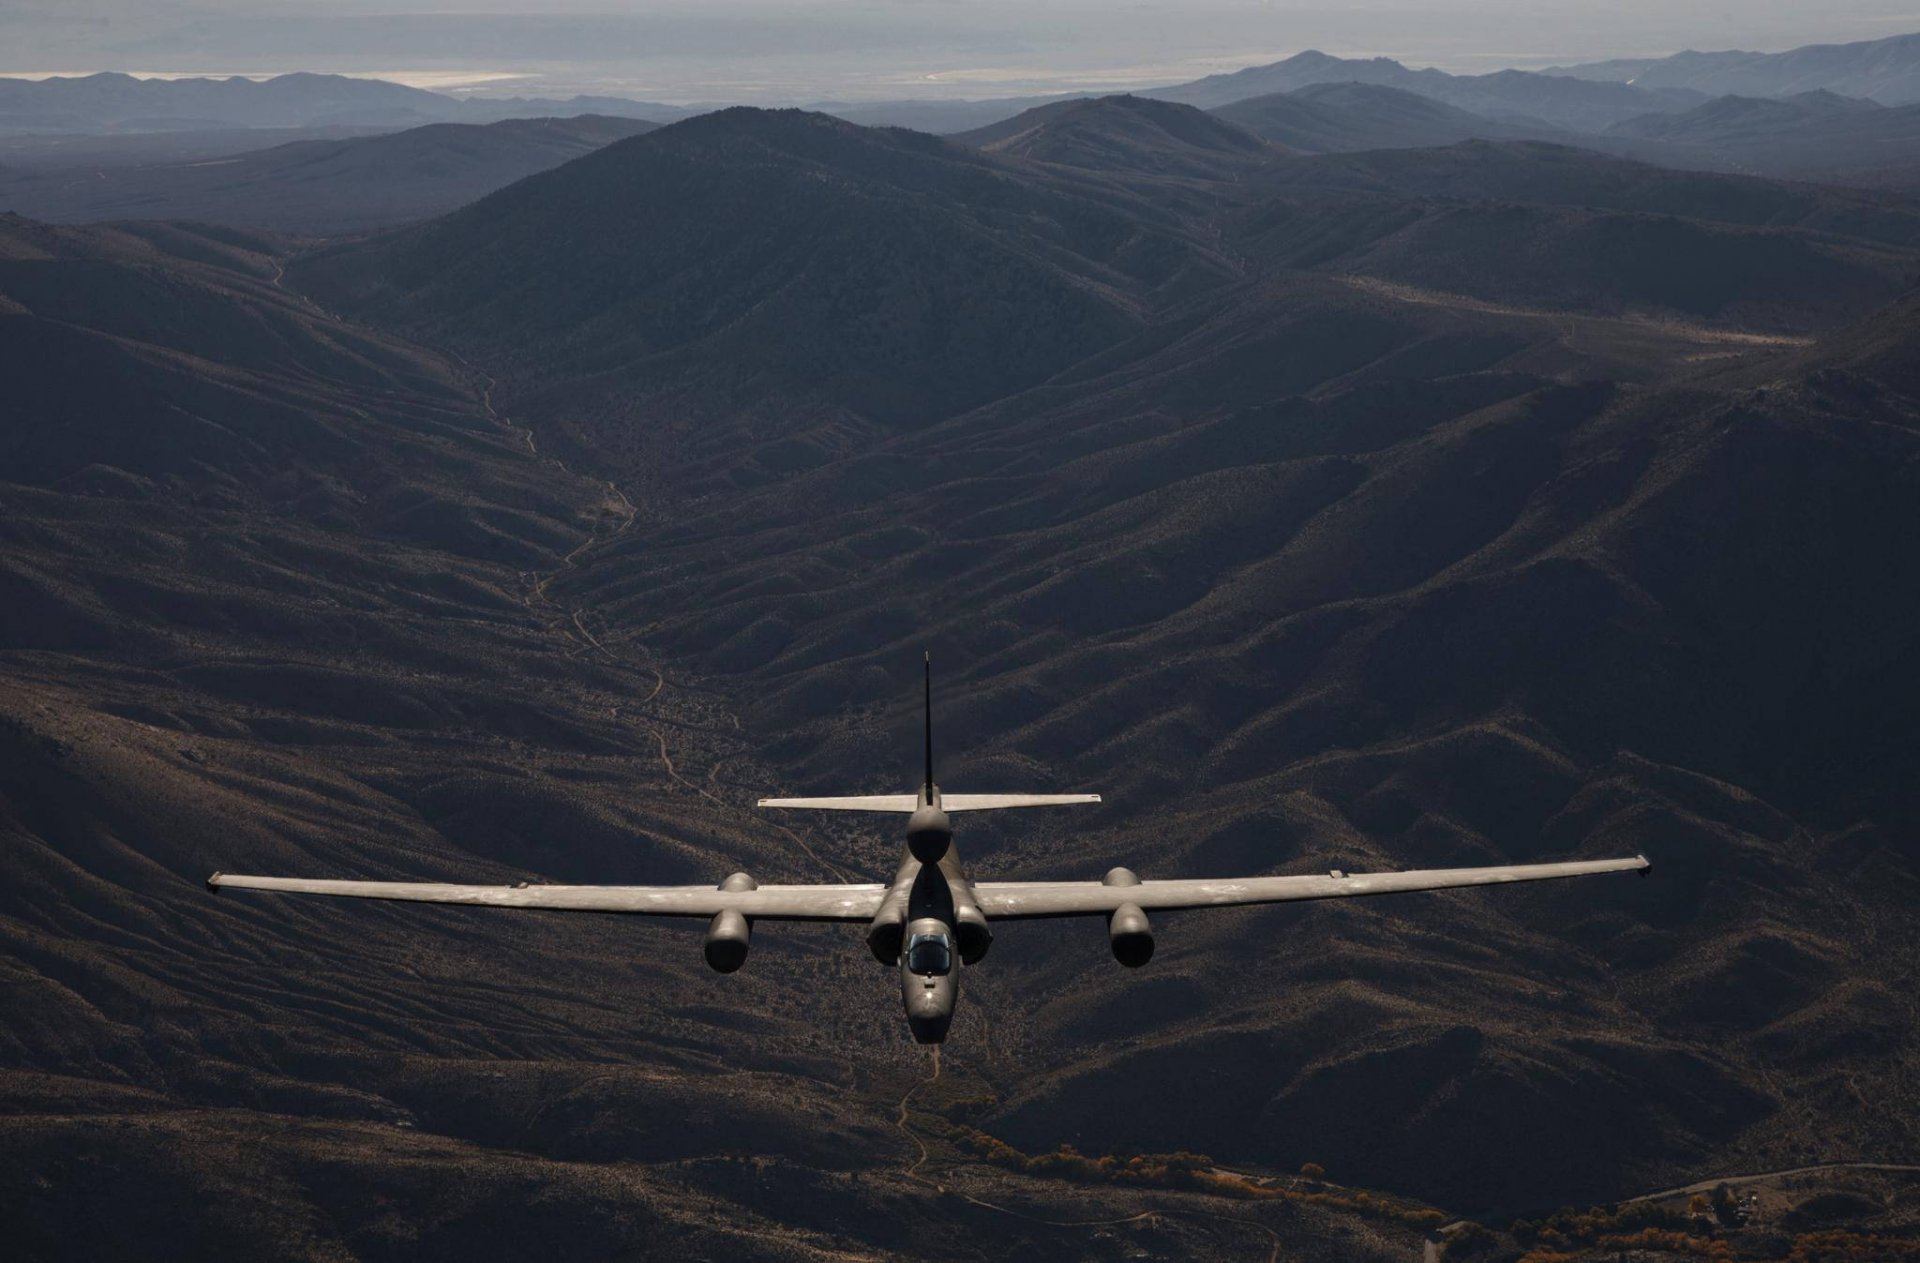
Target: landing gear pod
point(1130, 936)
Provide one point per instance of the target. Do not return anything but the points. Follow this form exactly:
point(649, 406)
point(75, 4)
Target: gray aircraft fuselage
point(929, 925)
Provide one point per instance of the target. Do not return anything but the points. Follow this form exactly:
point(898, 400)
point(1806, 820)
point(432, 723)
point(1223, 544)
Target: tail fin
point(911, 802)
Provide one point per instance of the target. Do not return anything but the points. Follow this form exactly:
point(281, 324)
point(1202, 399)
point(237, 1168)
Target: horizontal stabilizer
point(871, 802)
point(990, 802)
point(905, 803)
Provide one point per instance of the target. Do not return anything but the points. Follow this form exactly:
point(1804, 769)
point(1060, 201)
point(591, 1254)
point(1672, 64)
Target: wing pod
point(729, 936)
point(1130, 935)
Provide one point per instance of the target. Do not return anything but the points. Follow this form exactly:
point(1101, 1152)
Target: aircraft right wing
point(1014, 900)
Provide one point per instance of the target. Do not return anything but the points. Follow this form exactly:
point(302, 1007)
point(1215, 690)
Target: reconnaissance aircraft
point(932, 911)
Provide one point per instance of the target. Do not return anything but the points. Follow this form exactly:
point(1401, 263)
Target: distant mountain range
point(1584, 105)
point(118, 102)
point(1884, 70)
point(320, 187)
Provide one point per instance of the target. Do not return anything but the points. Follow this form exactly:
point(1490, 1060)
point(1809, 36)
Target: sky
point(821, 50)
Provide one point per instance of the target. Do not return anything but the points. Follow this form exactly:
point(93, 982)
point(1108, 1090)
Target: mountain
point(1345, 117)
point(1497, 502)
point(1883, 70)
point(118, 102)
point(1812, 136)
point(861, 278)
point(1557, 175)
point(1340, 576)
point(123, 103)
point(940, 118)
point(321, 187)
point(1125, 133)
point(280, 588)
point(1738, 120)
point(1506, 95)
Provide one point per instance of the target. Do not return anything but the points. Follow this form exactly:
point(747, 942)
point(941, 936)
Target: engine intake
point(970, 928)
point(1130, 936)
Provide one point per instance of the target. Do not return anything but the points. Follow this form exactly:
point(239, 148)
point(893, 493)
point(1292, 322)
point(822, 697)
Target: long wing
point(905, 803)
point(1005, 900)
point(994, 802)
point(769, 903)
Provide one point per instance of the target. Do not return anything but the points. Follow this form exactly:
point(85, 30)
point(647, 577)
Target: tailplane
point(907, 803)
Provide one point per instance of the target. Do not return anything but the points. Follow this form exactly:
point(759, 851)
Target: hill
point(865, 279)
point(1125, 133)
point(122, 103)
point(1347, 117)
point(320, 187)
point(1884, 70)
point(1371, 518)
point(281, 589)
point(1335, 580)
point(1559, 100)
point(1813, 136)
point(1735, 119)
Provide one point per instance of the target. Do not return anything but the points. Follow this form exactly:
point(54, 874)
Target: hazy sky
point(805, 50)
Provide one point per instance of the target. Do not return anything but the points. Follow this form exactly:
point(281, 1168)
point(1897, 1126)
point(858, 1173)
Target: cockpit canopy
point(930, 955)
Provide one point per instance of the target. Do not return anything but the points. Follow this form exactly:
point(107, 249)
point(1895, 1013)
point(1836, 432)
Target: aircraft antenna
point(928, 660)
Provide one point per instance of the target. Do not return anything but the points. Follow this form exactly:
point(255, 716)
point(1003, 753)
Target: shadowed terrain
point(1365, 514)
point(319, 187)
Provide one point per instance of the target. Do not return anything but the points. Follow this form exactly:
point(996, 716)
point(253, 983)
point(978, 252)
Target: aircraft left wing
point(1014, 900)
point(767, 903)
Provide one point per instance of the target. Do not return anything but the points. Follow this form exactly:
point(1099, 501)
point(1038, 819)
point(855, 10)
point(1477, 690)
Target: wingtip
point(213, 882)
point(1646, 866)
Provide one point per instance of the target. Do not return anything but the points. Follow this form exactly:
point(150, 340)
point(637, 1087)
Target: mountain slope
point(1336, 583)
point(1304, 564)
point(1580, 104)
point(1884, 70)
point(321, 187)
point(1125, 133)
point(279, 592)
point(1735, 119)
point(1815, 136)
point(862, 278)
point(122, 103)
point(1346, 117)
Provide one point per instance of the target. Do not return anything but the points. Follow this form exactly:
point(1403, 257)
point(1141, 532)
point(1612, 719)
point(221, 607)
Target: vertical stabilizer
point(927, 787)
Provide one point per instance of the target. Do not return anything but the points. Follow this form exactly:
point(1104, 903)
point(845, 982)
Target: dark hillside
point(1347, 117)
point(1126, 133)
point(1442, 507)
point(1327, 583)
point(1557, 175)
point(279, 592)
point(862, 279)
point(319, 187)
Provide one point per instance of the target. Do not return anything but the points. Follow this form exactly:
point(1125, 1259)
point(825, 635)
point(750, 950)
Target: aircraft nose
point(929, 1028)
